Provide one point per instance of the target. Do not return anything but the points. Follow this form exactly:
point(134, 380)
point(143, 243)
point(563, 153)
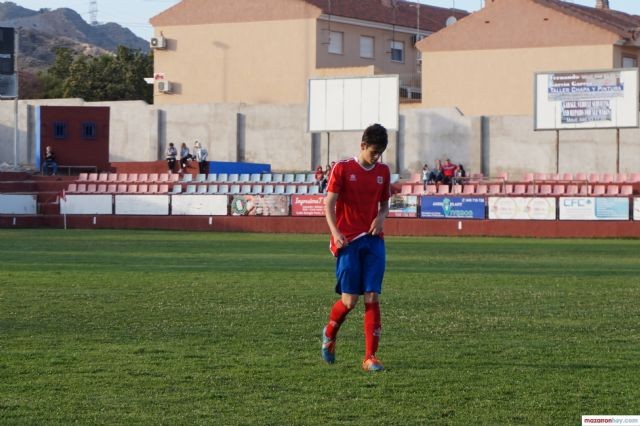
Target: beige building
point(485, 64)
point(249, 51)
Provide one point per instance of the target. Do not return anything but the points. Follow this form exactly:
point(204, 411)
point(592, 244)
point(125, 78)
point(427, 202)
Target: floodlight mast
point(16, 49)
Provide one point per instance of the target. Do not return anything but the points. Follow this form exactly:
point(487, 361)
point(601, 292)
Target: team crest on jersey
point(352, 178)
point(380, 180)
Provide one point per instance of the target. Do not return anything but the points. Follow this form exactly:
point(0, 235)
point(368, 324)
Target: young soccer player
point(356, 207)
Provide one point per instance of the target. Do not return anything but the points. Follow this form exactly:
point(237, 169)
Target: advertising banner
point(636, 209)
point(86, 204)
point(307, 205)
point(198, 205)
point(18, 204)
point(157, 205)
point(586, 99)
point(452, 207)
point(522, 208)
point(260, 205)
point(594, 208)
point(403, 206)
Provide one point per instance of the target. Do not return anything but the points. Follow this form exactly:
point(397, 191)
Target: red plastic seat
point(571, 189)
point(545, 189)
point(519, 189)
point(558, 189)
point(626, 190)
point(481, 189)
point(598, 189)
point(613, 190)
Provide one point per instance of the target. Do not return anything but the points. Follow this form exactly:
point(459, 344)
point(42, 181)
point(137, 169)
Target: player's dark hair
point(376, 135)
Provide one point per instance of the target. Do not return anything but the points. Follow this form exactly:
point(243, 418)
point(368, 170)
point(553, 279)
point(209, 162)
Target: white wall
point(276, 134)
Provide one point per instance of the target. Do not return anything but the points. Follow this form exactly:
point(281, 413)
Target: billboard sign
point(403, 206)
point(594, 208)
point(586, 99)
point(452, 207)
point(352, 104)
point(307, 205)
point(260, 205)
point(522, 208)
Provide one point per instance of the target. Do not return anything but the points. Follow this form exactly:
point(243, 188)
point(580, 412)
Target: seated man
point(448, 171)
point(50, 166)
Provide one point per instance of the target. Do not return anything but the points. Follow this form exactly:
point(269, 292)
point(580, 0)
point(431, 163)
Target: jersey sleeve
point(335, 179)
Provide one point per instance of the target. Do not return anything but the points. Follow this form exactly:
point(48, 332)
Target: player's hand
point(376, 227)
point(340, 240)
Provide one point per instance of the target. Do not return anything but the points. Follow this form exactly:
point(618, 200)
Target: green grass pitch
point(160, 327)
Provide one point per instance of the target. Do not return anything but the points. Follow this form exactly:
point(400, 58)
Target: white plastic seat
point(233, 177)
point(245, 189)
point(278, 189)
point(256, 189)
point(302, 189)
point(223, 189)
point(200, 177)
point(212, 189)
point(266, 177)
point(234, 189)
point(255, 177)
point(268, 189)
point(244, 177)
point(311, 178)
point(299, 178)
point(187, 177)
point(291, 189)
point(202, 189)
point(289, 178)
point(212, 177)
point(313, 189)
point(223, 177)
point(277, 177)
point(177, 189)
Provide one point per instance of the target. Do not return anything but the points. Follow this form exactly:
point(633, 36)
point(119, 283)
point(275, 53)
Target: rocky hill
point(41, 32)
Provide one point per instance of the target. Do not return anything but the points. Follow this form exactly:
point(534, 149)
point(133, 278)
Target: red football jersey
point(359, 192)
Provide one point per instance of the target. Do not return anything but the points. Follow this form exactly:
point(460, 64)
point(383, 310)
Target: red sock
point(371, 328)
point(336, 318)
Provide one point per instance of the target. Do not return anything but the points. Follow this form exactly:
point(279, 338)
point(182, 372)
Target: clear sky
point(135, 14)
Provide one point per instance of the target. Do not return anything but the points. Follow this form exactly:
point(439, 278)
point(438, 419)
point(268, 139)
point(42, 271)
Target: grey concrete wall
point(276, 134)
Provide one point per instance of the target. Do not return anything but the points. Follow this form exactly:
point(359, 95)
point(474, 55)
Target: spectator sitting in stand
point(320, 179)
point(185, 157)
point(461, 173)
point(448, 171)
point(435, 176)
point(50, 165)
point(170, 155)
point(201, 154)
point(426, 175)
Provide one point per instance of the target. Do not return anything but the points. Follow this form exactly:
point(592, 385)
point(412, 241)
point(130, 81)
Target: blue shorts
point(360, 266)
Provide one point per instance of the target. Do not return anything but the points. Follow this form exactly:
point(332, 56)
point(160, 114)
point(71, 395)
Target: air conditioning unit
point(158, 43)
point(163, 86)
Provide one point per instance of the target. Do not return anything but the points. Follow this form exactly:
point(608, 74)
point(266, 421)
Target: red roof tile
point(623, 24)
point(404, 13)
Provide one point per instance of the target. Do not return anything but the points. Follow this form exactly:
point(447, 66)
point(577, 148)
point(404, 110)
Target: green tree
point(109, 77)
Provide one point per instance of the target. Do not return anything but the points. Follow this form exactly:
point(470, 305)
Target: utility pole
point(93, 12)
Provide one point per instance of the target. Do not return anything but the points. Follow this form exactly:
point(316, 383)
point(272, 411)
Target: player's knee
point(349, 302)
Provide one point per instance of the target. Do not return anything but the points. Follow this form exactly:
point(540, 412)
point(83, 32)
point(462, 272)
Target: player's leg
point(373, 272)
point(348, 280)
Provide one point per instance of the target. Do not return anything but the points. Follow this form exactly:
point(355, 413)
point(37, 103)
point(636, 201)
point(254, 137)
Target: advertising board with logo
point(594, 208)
point(636, 209)
point(403, 206)
point(307, 205)
point(260, 205)
point(452, 207)
point(522, 208)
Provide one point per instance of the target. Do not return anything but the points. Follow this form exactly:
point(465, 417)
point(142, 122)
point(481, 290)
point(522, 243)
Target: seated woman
point(50, 166)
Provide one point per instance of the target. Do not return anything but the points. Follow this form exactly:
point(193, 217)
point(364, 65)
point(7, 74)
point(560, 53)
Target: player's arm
point(330, 213)
point(378, 222)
